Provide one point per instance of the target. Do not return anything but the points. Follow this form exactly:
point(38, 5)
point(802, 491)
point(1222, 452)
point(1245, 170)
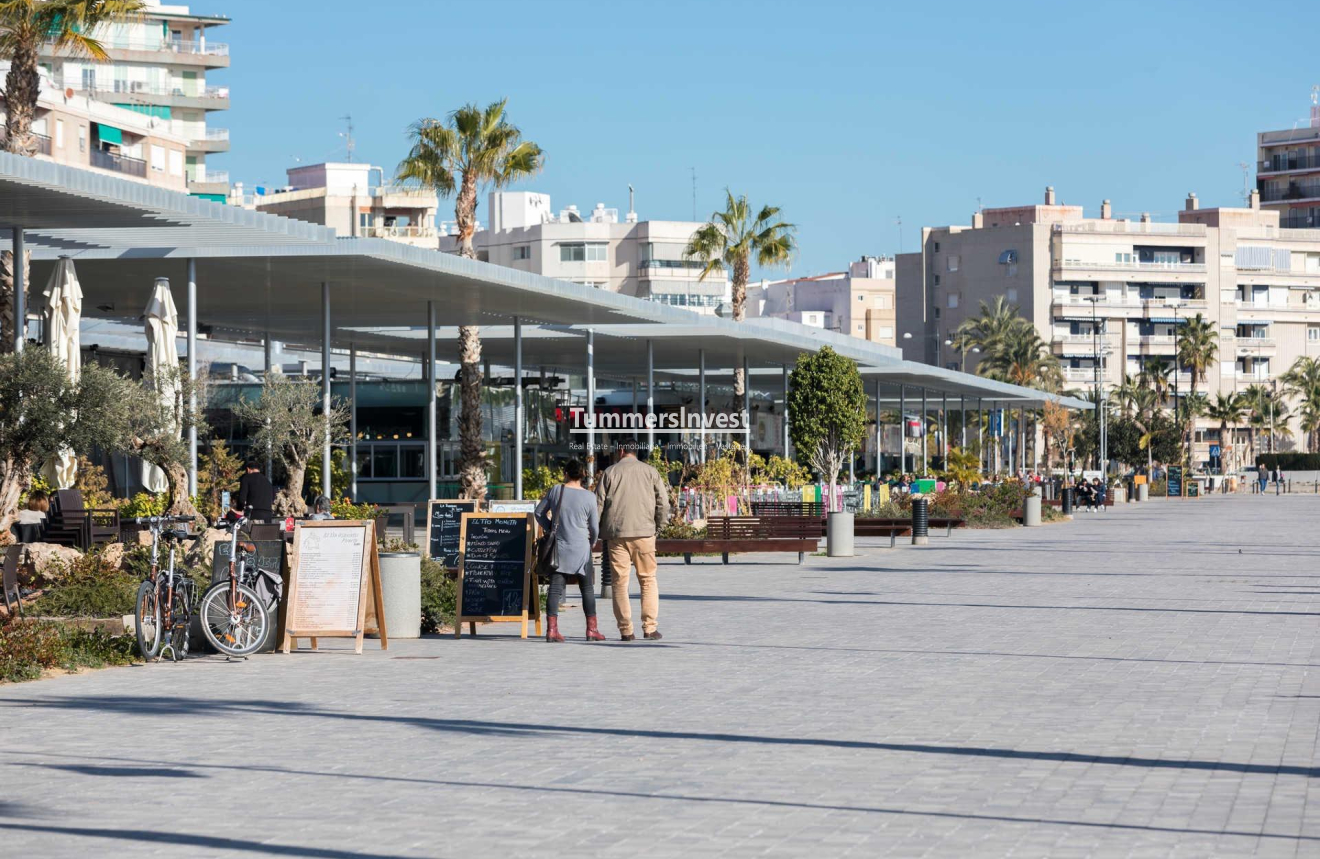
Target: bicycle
point(235, 619)
point(164, 603)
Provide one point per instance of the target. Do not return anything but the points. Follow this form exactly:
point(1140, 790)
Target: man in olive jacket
point(634, 505)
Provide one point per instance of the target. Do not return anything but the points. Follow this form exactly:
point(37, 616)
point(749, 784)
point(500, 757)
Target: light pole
point(1177, 370)
point(1098, 360)
point(939, 354)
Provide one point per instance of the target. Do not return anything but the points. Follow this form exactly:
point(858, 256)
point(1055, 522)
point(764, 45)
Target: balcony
point(1248, 345)
point(40, 143)
point(212, 140)
point(1282, 162)
point(1155, 342)
point(141, 92)
point(408, 234)
point(119, 163)
point(1171, 267)
point(1080, 374)
point(140, 48)
point(1146, 228)
point(1294, 191)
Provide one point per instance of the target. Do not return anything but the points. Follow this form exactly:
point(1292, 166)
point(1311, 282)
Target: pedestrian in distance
point(1262, 476)
point(634, 505)
point(321, 509)
point(256, 495)
point(570, 511)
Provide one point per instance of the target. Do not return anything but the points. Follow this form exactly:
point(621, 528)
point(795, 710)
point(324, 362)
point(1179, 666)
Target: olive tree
point(826, 412)
point(289, 422)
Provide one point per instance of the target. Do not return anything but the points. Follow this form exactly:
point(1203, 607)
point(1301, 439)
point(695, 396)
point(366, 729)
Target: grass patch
point(29, 646)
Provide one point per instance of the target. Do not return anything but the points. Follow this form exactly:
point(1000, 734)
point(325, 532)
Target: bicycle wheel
point(147, 621)
point(238, 632)
point(181, 634)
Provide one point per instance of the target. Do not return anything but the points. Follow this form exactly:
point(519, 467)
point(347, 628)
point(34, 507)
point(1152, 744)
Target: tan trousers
point(640, 552)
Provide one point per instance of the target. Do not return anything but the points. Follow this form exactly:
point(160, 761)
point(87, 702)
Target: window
point(157, 158)
point(937, 247)
point(1313, 333)
point(366, 219)
point(176, 162)
point(859, 327)
point(937, 313)
point(82, 138)
point(582, 252)
point(953, 262)
point(953, 301)
point(522, 252)
point(88, 78)
point(937, 280)
point(1010, 294)
point(886, 332)
point(884, 302)
point(59, 134)
point(861, 298)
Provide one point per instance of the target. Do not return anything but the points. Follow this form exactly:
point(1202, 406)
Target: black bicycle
point(164, 601)
point(236, 618)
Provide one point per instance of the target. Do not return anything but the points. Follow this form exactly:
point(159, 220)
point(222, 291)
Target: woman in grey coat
point(578, 527)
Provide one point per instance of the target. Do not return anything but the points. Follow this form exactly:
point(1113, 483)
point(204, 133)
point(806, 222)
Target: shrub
point(439, 596)
point(89, 587)
point(96, 649)
point(146, 504)
point(538, 481)
point(345, 509)
point(26, 647)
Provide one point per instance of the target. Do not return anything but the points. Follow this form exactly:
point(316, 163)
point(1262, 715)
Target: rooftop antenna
point(899, 222)
point(1246, 182)
point(348, 135)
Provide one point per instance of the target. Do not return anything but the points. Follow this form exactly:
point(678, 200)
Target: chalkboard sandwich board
point(443, 524)
point(1175, 482)
point(334, 570)
point(495, 580)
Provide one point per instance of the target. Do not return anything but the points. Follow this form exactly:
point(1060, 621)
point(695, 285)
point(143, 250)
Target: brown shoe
point(552, 630)
point(653, 636)
point(593, 631)
point(627, 637)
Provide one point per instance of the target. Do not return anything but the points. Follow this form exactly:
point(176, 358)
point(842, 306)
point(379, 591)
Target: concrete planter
point(839, 535)
point(401, 590)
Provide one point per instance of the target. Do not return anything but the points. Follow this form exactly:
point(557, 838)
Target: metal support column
point(925, 462)
point(192, 373)
point(962, 422)
point(650, 393)
point(902, 429)
point(269, 356)
point(1022, 438)
point(980, 432)
point(701, 399)
point(20, 289)
point(747, 409)
point(518, 418)
point(352, 423)
point(944, 429)
point(432, 462)
point(325, 385)
point(786, 438)
point(591, 402)
point(879, 434)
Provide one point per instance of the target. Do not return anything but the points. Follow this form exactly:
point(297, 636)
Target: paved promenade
point(1144, 682)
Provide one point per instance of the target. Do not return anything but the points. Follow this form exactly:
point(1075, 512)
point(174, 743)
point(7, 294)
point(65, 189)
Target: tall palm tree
point(1228, 410)
point(1022, 358)
point(1197, 346)
point(1157, 376)
point(472, 148)
point(1303, 382)
point(998, 323)
point(733, 237)
point(24, 26)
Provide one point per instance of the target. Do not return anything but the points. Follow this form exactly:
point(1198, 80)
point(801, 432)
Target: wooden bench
point(868, 527)
point(729, 534)
point(788, 508)
point(688, 548)
point(945, 522)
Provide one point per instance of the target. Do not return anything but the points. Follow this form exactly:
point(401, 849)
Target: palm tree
point(733, 237)
point(1303, 382)
point(1022, 358)
point(24, 26)
point(1197, 347)
point(1269, 413)
point(1157, 376)
point(1229, 410)
point(474, 147)
point(998, 323)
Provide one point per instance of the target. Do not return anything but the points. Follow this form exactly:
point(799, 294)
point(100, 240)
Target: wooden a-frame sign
point(334, 571)
point(514, 595)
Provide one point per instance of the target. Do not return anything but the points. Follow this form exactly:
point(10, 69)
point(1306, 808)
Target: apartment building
point(1288, 172)
point(82, 132)
point(858, 302)
point(1106, 293)
point(351, 198)
point(631, 256)
point(158, 67)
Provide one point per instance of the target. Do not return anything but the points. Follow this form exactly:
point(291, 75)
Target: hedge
point(1291, 461)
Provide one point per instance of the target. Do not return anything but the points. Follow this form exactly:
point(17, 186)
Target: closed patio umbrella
point(63, 312)
point(162, 326)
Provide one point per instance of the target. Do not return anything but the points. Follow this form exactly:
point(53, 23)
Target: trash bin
point(1031, 509)
point(839, 535)
point(920, 521)
point(1066, 506)
point(401, 591)
point(1143, 492)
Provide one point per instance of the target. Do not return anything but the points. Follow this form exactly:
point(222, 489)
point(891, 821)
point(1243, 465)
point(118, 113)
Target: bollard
point(1031, 510)
point(1066, 507)
point(920, 521)
point(839, 535)
point(606, 572)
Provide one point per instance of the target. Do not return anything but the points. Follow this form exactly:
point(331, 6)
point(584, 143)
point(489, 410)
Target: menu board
point(494, 570)
point(333, 570)
point(443, 526)
point(1175, 484)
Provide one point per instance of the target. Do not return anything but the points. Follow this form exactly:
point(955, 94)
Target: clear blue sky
point(847, 115)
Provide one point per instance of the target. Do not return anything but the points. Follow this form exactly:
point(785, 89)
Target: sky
point(848, 116)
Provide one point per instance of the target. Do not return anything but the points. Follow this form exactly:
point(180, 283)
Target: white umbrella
point(63, 312)
point(162, 324)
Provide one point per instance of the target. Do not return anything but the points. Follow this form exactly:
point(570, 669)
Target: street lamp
point(1099, 361)
point(1177, 369)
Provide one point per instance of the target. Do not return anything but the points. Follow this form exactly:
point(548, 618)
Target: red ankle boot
point(552, 630)
point(593, 632)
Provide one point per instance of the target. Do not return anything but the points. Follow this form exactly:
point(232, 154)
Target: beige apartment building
point(158, 65)
point(1118, 287)
point(597, 248)
point(72, 129)
point(351, 198)
point(859, 302)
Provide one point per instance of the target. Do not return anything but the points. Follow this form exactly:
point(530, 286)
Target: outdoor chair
point(9, 584)
point(73, 524)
